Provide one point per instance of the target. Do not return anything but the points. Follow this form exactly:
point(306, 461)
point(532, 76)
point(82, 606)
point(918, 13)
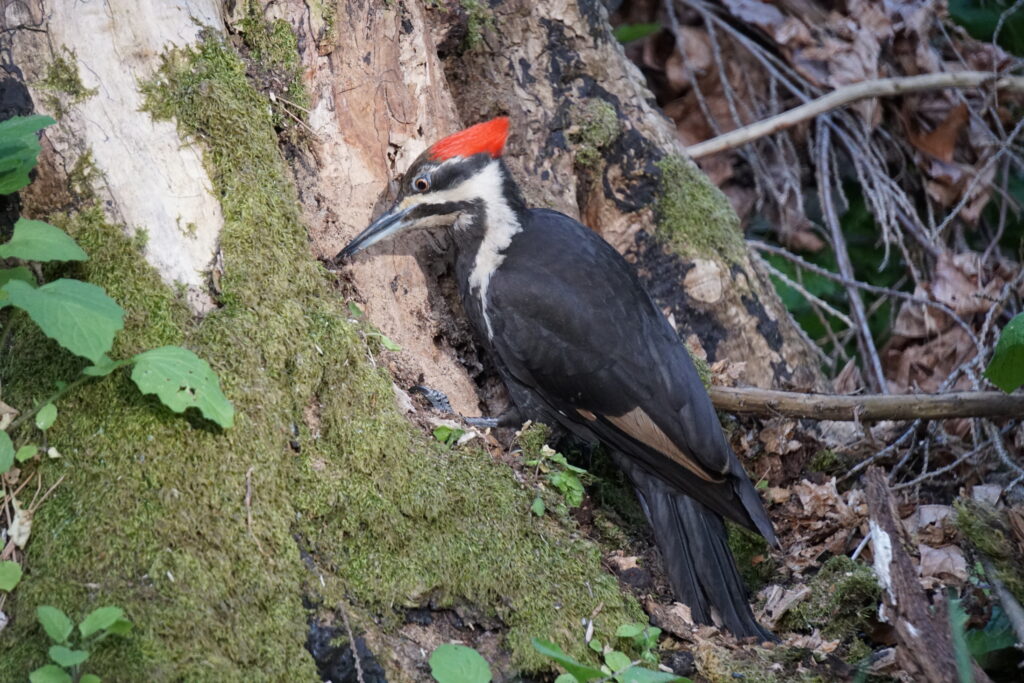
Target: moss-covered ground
point(151, 514)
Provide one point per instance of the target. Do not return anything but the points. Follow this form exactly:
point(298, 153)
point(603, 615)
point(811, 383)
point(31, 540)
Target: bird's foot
point(482, 422)
point(439, 402)
point(437, 399)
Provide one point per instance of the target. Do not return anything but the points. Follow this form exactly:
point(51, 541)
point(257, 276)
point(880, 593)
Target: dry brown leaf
point(931, 524)
point(7, 415)
point(777, 436)
point(946, 563)
point(940, 142)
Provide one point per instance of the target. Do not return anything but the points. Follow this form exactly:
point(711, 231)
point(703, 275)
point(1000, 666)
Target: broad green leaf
point(1006, 370)
point(19, 273)
point(388, 344)
point(19, 147)
point(629, 630)
point(10, 575)
point(582, 672)
point(458, 664)
point(40, 241)
point(6, 452)
point(182, 380)
point(565, 678)
point(617, 661)
point(67, 657)
point(51, 673)
point(447, 435)
point(100, 620)
point(26, 452)
point(77, 315)
point(55, 623)
point(997, 635)
point(46, 416)
point(595, 645)
point(89, 678)
point(961, 655)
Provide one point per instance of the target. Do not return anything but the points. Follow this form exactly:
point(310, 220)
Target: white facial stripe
point(500, 226)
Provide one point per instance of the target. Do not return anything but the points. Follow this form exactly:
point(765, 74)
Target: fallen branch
point(770, 403)
point(922, 628)
point(883, 87)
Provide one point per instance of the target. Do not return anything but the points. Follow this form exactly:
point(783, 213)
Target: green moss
point(532, 439)
point(694, 216)
point(275, 66)
point(152, 516)
point(987, 530)
point(597, 125)
point(63, 85)
point(826, 460)
point(844, 598)
point(82, 176)
point(753, 558)
point(478, 18)
point(702, 367)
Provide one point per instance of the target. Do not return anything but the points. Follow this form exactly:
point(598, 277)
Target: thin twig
point(867, 343)
point(832, 310)
point(882, 87)
point(868, 407)
point(942, 470)
point(352, 644)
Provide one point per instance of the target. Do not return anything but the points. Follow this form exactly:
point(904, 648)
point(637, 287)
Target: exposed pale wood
point(922, 628)
point(868, 407)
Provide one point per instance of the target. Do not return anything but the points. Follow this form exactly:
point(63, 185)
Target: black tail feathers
point(698, 561)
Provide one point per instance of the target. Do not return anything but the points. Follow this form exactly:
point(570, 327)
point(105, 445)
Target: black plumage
point(579, 342)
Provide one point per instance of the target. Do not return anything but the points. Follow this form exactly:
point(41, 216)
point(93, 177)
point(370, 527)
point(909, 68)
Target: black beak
point(388, 224)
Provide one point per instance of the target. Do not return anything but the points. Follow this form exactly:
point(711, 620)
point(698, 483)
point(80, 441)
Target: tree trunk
point(178, 165)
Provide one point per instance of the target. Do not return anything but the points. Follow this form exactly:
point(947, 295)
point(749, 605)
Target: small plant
point(617, 666)
point(452, 663)
point(566, 478)
point(449, 436)
point(644, 637)
point(79, 315)
point(67, 658)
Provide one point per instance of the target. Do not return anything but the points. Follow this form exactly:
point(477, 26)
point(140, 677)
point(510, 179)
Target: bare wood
point(883, 87)
point(922, 629)
point(867, 407)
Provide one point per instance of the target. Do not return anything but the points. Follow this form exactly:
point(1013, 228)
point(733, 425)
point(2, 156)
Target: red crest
point(488, 137)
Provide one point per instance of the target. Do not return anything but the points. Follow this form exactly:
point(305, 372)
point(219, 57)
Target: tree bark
point(236, 553)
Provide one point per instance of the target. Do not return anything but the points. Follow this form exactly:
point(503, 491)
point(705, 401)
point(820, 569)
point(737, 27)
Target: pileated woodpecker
point(579, 342)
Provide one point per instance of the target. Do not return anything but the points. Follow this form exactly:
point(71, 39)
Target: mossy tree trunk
point(178, 166)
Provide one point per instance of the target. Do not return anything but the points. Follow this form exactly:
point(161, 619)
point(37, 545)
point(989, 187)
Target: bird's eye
point(421, 184)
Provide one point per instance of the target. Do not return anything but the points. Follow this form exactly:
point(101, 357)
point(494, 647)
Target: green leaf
point(77, 315)
point(55, 623)
point(617, 661)
point(26, 452)
point(638, 674)
point(627, 33)
point(46, 416)
point(595, 645)
point(100, 620)
point(104, 366)
point(458, 664)
point(6, 452)
point(182, 380)
point(1006, 370)
point(89, 678)
point(582, 672)
point(961, 655)
point(19, 147)
point(10, 575)
point(19, 273)
point(629, 630)
point(997, 635)
point(387, 343)
point(40, 241)
point(447, 435)
point(538, 508)
point(67, 657)
point(566, 678)
point(120, 627)
point(50, 673)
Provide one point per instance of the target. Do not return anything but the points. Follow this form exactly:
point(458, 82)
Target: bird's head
point(458, 174)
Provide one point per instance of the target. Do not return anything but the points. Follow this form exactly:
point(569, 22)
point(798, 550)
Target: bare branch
point(868, 407)
point(883, 87)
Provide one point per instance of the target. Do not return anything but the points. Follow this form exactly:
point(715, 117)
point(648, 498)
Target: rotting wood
point(868, 407)
point(925, 649)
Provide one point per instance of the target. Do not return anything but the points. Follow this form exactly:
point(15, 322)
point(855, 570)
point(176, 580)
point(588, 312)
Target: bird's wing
point(572, 322)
